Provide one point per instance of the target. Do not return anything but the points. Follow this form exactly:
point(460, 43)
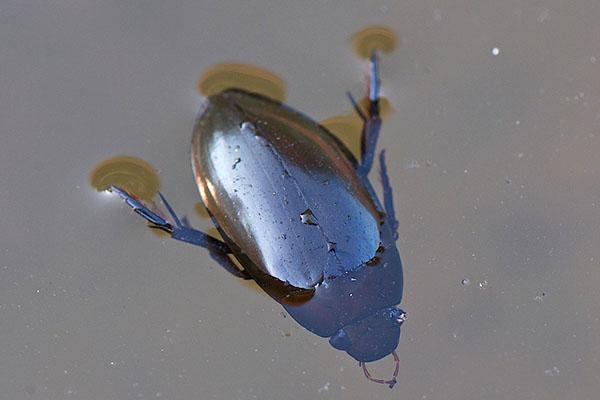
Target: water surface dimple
point(247, 77)
point(132, 174)
point(374, 38)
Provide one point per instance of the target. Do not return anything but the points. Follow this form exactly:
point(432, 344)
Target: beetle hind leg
point(371, 119)
point(182, 231)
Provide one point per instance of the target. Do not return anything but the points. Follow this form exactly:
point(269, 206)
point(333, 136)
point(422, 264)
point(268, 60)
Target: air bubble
point(248, 126)
point(308, 218)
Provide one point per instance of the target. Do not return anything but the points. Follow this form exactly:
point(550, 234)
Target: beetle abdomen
point(282, 189)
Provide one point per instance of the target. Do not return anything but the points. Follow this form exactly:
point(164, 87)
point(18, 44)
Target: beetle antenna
point(390, 382)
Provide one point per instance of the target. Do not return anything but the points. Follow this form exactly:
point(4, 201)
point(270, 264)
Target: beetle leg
point(372, 121)
point(177, 230)
point(218, 250)
point(139, 207)
point(388, 195)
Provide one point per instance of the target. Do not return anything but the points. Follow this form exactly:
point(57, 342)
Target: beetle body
point(288, 200)
point(297, 211)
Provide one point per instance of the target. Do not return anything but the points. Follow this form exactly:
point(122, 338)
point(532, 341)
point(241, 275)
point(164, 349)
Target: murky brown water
point(493, 149)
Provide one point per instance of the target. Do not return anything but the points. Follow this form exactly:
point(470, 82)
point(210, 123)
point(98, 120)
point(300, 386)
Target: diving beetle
point(297, 211)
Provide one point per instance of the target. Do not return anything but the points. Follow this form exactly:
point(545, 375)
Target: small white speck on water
point(593, 59)
point(324, 388)
point(552, 372)
point(483, 284)
point(465, 282)
point(412, 164)
point(495, 51)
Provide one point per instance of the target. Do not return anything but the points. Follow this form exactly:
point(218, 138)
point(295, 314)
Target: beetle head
point(371, 338)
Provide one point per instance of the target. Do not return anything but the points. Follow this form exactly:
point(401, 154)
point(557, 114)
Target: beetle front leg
point(388, 195)
point(371, 121)
point(218, 250)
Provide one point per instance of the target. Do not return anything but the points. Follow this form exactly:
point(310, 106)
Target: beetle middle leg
point(218, 250)
point(388, 195)
point(371, 120)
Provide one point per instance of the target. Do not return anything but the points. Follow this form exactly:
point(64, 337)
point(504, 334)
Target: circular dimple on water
point(131, 174)
point(221, 77)
point(374, 38)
